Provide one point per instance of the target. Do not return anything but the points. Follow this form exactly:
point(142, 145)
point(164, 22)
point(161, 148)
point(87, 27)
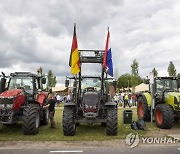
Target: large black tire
point(45, 119)
point(164, 116)
point(143, 111)
point(176, 119)
point(31, 119)
point(69, 126)
point(111, 122)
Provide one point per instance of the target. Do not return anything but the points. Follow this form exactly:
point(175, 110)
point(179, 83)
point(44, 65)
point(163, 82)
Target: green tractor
point(166, 102)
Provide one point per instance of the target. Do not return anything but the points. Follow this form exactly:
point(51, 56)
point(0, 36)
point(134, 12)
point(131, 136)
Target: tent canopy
point(141, 87)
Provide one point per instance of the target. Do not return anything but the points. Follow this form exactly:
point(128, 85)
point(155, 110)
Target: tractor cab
point(29, 83)
point(91, 92)
point(165, 86)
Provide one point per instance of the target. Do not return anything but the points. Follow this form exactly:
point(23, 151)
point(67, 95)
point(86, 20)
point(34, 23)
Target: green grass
point(84, 131)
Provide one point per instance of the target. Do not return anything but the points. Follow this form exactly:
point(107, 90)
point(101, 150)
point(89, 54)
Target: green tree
point(134, 68)
point(155, 73)
point(171, 69)
point(134, 73)
point(51, 79)
point(124, 80)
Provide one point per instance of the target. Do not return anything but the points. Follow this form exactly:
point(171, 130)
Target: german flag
point(74, 60)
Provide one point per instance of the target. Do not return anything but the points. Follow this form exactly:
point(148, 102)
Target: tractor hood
point(173, 99)
point(91, 101)
point(10, 93)
point(171, 95)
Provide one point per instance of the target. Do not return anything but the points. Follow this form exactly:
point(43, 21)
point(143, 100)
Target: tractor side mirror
point(2, 85)
point(66, 83)
point(43, 81)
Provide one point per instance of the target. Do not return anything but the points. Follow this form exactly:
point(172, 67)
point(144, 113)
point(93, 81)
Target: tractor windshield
point(91, 82)
point(166, 84)
point(21, 82)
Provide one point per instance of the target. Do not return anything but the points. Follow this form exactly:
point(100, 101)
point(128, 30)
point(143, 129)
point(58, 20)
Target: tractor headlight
point(10, 97)
point(2, 105)
point(9, 105)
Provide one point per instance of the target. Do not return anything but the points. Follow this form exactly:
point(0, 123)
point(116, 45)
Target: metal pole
point(152, 102)
point(152, 95)
point(128, 86)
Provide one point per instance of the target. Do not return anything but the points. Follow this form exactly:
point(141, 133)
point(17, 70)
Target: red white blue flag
point(107, 60)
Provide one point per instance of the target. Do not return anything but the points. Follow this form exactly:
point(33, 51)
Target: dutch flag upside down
point(107, 60)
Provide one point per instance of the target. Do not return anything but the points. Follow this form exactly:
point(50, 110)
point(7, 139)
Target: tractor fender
point(41, 98)
point(172, 99)
point(110, 104)
point(147, 97)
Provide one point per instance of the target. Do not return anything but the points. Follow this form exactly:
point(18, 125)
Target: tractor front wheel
point(111, 122)
point(143, 111)
point(31, 119)
point(69, 126)
point(164, 116)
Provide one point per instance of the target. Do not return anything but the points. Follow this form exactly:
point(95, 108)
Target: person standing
point(51, 105)
point(126, 100)
point(58, 97)
point(133, 99)
point(116, 99)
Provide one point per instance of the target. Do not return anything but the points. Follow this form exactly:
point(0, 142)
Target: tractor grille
point(91, 98)
point(6, 100)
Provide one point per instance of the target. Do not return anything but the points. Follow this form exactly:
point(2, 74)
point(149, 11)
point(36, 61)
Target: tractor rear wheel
point(45, 115)
point(69, 126)
point(31, 119)
point(143, 111)
point(164, 116)
point(111, 123)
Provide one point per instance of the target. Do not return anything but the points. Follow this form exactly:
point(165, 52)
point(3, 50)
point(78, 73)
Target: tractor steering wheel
point(90, 89)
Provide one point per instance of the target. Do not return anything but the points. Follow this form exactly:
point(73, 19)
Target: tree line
point(133, 79)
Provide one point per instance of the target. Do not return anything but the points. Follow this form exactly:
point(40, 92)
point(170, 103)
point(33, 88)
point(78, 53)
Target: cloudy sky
point(36, 33)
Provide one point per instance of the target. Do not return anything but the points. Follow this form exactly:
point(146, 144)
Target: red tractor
point(22, 99)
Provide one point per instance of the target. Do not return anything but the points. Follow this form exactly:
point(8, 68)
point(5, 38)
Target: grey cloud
point(39, 33)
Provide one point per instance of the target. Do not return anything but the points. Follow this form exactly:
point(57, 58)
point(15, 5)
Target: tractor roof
point(23, 74)
point(167, 77)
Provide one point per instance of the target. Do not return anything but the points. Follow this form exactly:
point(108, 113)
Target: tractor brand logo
point(132, 140)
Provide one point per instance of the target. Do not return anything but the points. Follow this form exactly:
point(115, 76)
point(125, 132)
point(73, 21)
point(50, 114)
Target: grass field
point(84, 131)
